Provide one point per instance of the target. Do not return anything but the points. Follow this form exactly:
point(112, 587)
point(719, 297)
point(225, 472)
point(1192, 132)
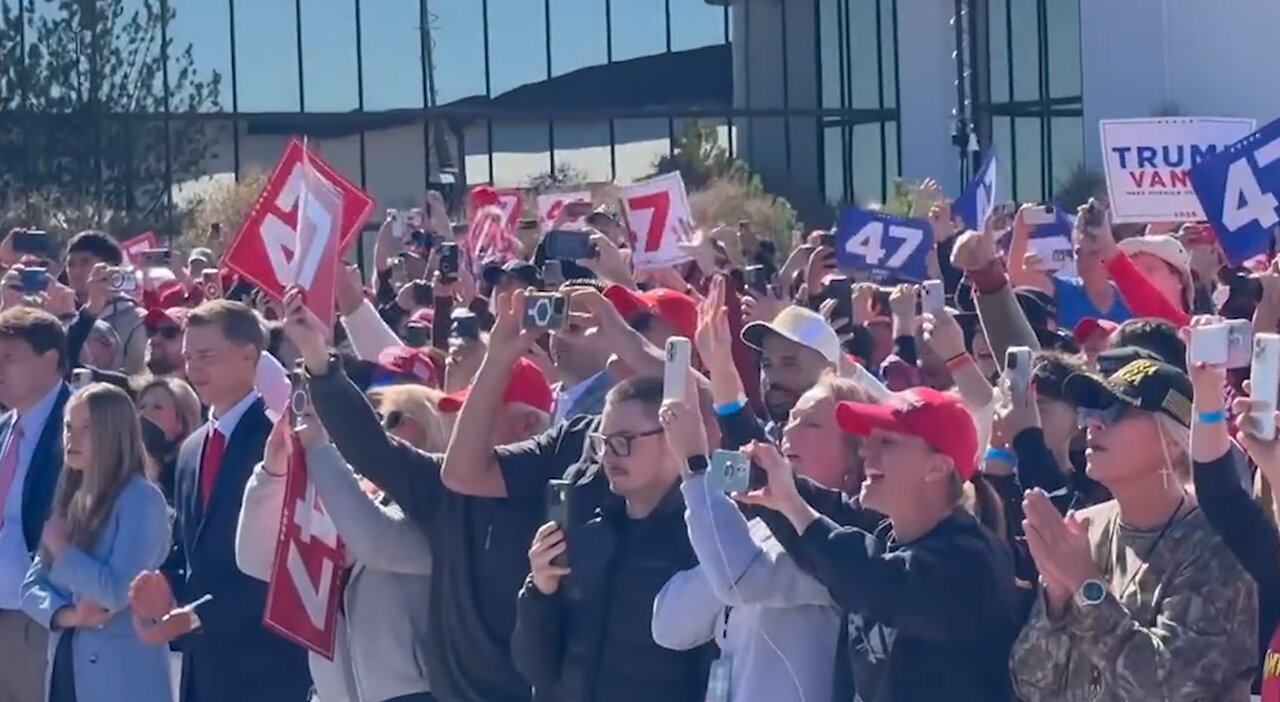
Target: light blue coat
point(110, 664)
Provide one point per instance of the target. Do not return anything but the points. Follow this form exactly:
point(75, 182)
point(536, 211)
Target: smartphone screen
point(421, 293)
point(33, 242)
point(564, 245)
point(416, 336)
point(558, 497)
point(757, 280)
point(34, 280)
point(448, 260)
point(841, 290)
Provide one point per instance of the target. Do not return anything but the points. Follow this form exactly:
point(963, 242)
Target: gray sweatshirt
point(379, 654)
point(776, 624)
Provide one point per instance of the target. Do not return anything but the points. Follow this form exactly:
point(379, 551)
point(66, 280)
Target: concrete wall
point(1140, 56)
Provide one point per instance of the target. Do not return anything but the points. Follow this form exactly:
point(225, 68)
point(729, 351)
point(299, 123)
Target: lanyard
point(1115, 528)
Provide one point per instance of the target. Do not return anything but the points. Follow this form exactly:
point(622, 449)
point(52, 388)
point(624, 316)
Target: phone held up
point(211, 284)
point(546, 311)
point(299, 396)
point(558, 497)
point(933, 297)
point(1227, 344)
point(840, 289)
point(1017, 371)
point(32, 242)
point(449, 261)
point(1264, 382)
point(566, 245)
point(34, 280)
point(675, 371)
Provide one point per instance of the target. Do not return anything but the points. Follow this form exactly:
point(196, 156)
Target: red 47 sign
point(306, 578)
point(657, 212)
point(276, 249)
point(134, 247)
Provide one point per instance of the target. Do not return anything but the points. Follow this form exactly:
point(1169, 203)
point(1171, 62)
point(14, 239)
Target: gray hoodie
point(382, 629)
point(776, 624)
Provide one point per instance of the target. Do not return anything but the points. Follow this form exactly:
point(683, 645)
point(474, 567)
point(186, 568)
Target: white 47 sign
point(1239, 189)
point(869, 243)
point(317, 534)
point(295, 253)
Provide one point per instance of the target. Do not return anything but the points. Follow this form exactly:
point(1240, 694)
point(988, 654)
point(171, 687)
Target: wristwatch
point(1091, 592)
point(697, 464)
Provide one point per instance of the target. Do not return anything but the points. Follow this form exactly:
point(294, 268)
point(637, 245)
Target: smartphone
point(34, 242)
point(416, 335)
point(81, 378)
point(675, 372)
point(448, 261)
point(1017, 369)
point(933, 298)
point(155, 258)
point(1239, 343)
point(565, 245)
point(1094, 216)
point(1210, 345)
point(729, 472)
point(576, 209)
point(211, 283)
point(757, 279)
point(546, 311)
point(34, 280)
point(122, 279)
point(840, 289)
point(558, 498)
point(1040, 215)
point(1264, 379)
point(422, 293)
point(466, 326)
point(553, 273)
point(399, 231)
point(299, 397)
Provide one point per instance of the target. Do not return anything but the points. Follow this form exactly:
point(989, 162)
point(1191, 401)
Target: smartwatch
point(1091, 592)
point(697, 464)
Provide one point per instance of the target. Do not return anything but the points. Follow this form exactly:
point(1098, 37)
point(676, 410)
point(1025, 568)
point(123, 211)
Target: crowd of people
point(528, 513)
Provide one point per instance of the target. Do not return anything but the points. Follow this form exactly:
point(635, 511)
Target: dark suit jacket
point(42, 474)
point(231, 656)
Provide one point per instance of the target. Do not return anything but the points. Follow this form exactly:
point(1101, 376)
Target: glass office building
point(402, 95)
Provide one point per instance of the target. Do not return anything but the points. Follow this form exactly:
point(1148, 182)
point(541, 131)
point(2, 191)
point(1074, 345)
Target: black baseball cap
point(1143, 384)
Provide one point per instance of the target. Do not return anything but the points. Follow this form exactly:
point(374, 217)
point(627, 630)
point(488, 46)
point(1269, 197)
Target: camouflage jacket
point(1183, 629)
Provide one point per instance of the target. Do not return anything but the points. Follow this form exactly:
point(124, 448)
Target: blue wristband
point(731, 408)
point(998, 454)
point(1214, 417)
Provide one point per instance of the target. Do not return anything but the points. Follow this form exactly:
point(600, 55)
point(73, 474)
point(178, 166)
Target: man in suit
point(33, 362)
point(580, 354)
point(227, 653)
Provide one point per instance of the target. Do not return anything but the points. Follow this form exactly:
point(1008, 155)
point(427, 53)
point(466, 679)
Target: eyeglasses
point(167, 333)
point(618, 444)
point(1108, 417)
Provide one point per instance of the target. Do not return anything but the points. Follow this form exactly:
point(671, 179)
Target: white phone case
point(935, 297)
point(676, 371)
point(1264, 381)
point(1017, 369)
point(1239, 343)
point(1210, 345)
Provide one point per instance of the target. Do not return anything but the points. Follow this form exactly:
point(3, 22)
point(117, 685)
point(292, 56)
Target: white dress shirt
point(227, 422)
point(565, 399)
point(15, 558)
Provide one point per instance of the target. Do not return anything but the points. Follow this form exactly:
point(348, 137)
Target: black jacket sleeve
point(1037, 468)
point(739, 429)
point(537, 642)
point(927, 590)
point(409, 476)
point(1243, 526)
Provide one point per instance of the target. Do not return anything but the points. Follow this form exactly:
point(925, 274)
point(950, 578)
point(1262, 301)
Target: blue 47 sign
point(1240, 191)
point(887, 246)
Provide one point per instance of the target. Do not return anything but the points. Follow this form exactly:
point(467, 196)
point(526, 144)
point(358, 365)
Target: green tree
point(699, 157)
point(83, 99)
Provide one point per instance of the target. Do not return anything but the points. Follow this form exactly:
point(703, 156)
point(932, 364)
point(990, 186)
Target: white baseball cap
point(1167, 249)
point(801, 325)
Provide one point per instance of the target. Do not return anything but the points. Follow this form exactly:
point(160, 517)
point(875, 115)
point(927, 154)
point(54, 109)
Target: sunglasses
point(168, 333)
point(1108, 417)
point(392, 420)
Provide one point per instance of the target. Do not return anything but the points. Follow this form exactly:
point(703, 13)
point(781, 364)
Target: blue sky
point(267, 55)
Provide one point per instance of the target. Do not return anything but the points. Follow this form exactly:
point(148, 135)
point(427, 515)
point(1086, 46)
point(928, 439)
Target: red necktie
point(9, 465)
point(210, 461)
